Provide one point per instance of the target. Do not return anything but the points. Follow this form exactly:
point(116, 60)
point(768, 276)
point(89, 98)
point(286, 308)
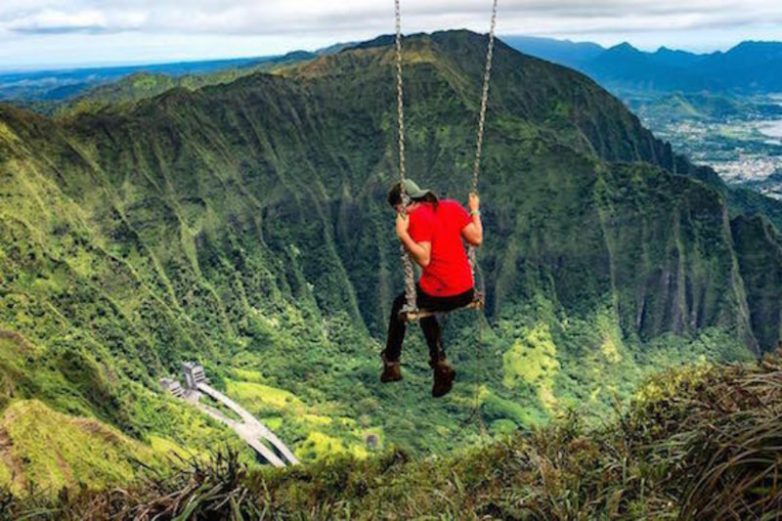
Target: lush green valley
point(696, 444)
point(244, 225)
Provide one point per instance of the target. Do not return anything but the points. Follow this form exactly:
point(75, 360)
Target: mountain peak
point(756, 47)
point(380, 41)
point(663, 50)
point(624, 47)
point(465, 48)
point(758, 44)
point(453, 35)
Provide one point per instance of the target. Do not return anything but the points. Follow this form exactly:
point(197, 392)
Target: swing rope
point(476, 169)
point(472, 253)
point(411, 298)
point(411, 305)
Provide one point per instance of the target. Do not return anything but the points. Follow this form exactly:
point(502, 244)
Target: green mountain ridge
point(700, 107)
point(244, 225)
point(46, 89)
point(145, 85)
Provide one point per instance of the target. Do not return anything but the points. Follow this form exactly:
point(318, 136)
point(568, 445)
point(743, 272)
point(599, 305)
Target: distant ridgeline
point(244, 225)
point(748, 68)
point(75, 90)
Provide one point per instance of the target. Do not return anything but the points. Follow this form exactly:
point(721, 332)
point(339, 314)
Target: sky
point(38, 34)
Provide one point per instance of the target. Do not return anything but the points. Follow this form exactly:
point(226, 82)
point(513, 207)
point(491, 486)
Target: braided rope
point(484, 99)
point(472, 253)
point(475, 412)
point(400, 94)
point(410, 291)
point(476, 169)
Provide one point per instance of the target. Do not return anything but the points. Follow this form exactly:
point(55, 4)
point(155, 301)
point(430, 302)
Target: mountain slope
point(564, 52)
point(209, 125)
point(244, 225)
point(759, 245)
point(58, 85)
point(624, 66)
point(144, 85)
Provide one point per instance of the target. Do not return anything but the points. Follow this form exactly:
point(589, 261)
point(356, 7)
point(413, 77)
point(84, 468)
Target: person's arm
point(421, 252)
point(473, 231)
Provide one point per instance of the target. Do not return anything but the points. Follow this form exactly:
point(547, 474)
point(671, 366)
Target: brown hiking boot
point(444, 375)
point(391, 370)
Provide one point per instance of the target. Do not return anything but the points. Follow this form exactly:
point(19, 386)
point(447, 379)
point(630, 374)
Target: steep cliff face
point(317, 148)
point(245, 225)
point(758, 249)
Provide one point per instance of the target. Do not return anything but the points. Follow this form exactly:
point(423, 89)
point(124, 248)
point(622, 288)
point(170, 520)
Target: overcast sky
point(46, 33)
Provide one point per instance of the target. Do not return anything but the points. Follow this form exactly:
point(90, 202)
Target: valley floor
point(745, 148)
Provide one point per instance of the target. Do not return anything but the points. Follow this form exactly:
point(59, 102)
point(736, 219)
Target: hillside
point(59, 85)
point(702, 106)
point(145, 85)
point(703, 444)
point(244, 225)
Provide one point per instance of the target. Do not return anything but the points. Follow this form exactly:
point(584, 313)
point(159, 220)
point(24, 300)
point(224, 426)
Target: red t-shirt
point(448, 272)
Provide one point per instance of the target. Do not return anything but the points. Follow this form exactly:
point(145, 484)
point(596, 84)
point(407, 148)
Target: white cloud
point(37, 27)
point(86, 20)
point(297, 16)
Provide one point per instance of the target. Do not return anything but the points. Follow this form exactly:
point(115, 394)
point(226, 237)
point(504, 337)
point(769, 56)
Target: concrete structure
point(265, 443)
point(173, 387)
point(251, 430)
point(194, 374)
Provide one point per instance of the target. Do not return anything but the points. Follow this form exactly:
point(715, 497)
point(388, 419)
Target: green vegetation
point(699, 106)
point(56, 450)
point(54, 430)
point(244, 226)
point(699, 443)
point(140, 86)
point(721, 130)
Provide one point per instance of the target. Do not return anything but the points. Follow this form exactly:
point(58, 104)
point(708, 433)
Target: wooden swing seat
point(413, 315)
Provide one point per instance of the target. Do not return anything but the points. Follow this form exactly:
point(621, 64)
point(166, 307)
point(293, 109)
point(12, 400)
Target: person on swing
point(433, 232)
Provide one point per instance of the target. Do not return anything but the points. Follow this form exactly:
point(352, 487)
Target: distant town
point(745, 151)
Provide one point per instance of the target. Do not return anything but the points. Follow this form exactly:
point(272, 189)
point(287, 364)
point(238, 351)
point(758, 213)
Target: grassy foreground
point(698, 443)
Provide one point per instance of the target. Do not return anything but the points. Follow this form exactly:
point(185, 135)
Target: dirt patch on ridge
point(8, 459)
